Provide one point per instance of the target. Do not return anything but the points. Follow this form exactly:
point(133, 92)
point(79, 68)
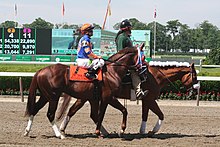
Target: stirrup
point(142, 94)
point(91, 76)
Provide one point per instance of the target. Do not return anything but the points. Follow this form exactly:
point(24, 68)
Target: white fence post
point(21, 89)
point(198, 95)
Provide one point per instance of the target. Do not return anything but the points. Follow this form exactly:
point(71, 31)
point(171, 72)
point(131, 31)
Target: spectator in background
point(76, 37)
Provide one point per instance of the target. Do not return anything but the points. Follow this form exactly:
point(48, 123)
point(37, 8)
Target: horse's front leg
point(145, 111)
point(72, 111)
point(116, 104)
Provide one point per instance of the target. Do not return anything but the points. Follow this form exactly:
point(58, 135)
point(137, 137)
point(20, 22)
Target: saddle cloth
point(78, 74)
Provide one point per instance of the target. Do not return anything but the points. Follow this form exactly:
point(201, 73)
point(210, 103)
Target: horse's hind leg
point(116, 104)
point(76, 106)
point(102, 109)
point(40, 104)
point(51, 115)
point(94, 115)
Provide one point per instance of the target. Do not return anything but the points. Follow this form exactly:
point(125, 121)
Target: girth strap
point(97, 90)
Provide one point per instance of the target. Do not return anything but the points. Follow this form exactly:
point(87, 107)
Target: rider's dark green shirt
point(123, 41)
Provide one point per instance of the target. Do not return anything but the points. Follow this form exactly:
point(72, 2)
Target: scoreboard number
point(18, 41)
point(27, 41)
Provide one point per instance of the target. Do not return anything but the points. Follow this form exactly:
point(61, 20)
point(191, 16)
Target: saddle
point(77, 73)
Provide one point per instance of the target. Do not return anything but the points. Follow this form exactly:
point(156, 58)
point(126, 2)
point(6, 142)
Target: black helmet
point(125, 24)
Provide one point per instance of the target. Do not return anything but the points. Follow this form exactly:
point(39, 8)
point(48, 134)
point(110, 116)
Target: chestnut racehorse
point(53, 80)
point(157, 78)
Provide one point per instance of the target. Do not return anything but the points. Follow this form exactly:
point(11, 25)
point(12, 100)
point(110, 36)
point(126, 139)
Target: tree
point(162, 40)
point(96, 26)
point(214, 57)
point(39, 23)
point(8, 24)
point(136, 25)
point(183, 38)
point(209, 32)
point(173, 27)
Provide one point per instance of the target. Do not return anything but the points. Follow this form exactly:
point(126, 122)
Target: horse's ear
point(192, 65)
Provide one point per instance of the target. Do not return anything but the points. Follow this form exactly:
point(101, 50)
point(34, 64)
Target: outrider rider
point(123, 40)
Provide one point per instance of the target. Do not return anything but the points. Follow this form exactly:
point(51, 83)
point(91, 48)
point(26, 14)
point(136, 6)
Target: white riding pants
point(87, 63)
point(136, 82)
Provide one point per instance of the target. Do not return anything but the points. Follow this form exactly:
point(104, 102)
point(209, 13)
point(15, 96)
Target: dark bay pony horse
point(157, 78)
point(53, 80)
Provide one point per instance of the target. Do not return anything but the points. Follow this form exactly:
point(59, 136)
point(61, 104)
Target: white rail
point(31, 74)
point(34, 62)
point(207, 78)
point(17, 74)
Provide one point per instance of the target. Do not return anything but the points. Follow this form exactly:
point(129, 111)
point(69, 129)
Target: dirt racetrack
point(185, 125)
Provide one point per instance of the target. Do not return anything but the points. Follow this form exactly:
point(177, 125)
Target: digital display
point(22, 42)
point(27, 41)
point(18, 41)
point(11, 41)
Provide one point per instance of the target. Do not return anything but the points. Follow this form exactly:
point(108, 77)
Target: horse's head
point(190, 79)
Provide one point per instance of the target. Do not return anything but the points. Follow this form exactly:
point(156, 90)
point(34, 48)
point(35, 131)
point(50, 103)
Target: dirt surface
point(185, 124)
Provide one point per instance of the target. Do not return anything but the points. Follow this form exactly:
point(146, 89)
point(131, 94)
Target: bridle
point(191, 89)
point(167, 79)
point(191, 76)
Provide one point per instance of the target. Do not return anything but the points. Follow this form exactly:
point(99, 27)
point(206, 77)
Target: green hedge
point(10, 85)
point(175, 91)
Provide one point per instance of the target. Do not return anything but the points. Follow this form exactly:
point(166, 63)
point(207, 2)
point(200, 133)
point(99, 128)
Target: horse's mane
point(123, 52)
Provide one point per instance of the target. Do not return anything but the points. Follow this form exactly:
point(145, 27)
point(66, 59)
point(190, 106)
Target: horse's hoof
point(62, 132)
point(62, 136)
point(97, 132)
point(101, 136)
point(26, 133)
point(150, 133)
point(122, 132)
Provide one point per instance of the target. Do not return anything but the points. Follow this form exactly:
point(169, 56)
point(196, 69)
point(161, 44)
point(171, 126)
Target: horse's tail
point(63, 107)
point(32, 96)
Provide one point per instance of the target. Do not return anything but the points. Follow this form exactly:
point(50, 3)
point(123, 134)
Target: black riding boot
point(91, 74)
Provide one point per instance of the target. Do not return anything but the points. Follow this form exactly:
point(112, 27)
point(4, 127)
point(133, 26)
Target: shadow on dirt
point(132, 136)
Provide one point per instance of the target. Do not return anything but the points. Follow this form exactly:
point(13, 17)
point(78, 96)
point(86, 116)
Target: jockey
point(123, 40)
point(85, 57)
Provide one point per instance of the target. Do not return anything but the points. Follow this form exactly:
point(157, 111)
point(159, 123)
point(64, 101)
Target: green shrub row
point(175, 91)
point(204, 96)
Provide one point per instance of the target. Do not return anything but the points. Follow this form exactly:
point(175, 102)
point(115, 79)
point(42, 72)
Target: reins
point(191, 73)
point(167, 79)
